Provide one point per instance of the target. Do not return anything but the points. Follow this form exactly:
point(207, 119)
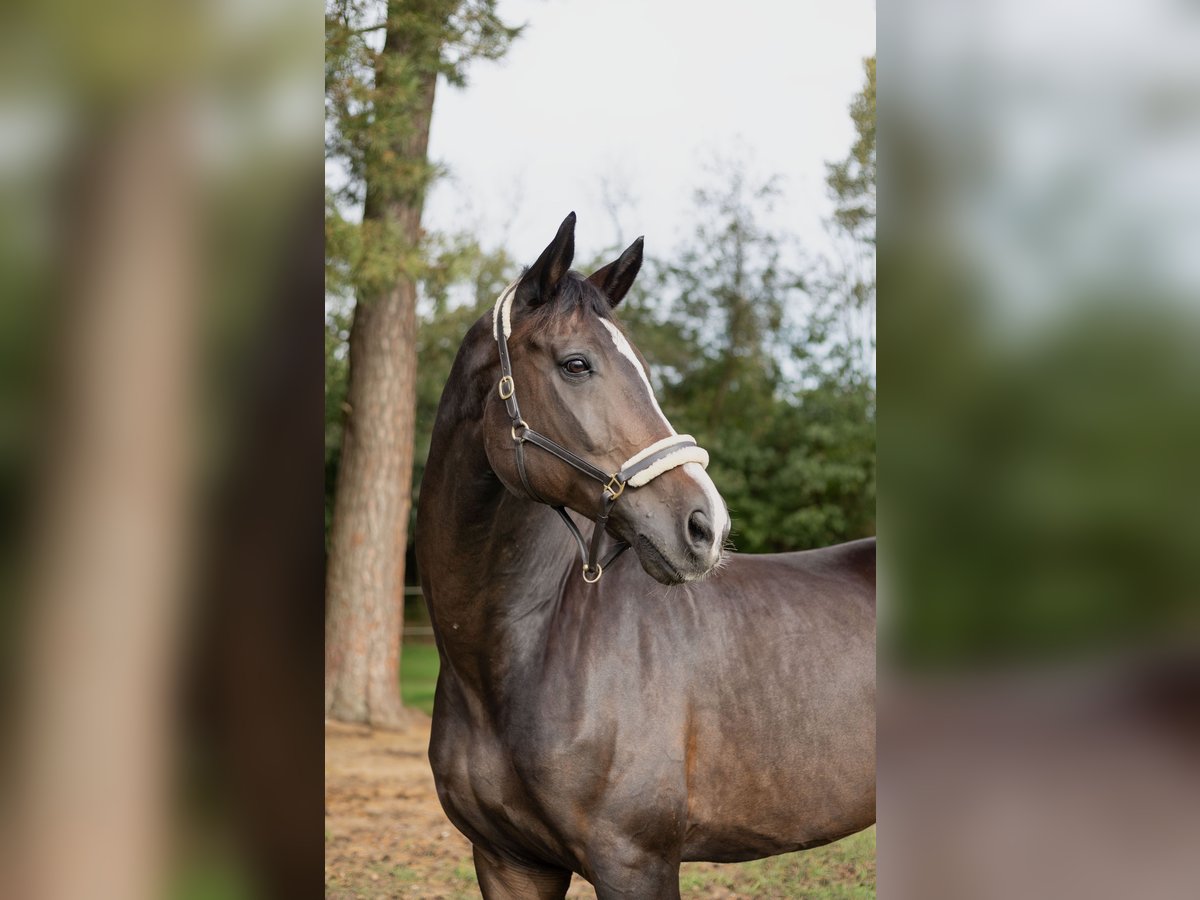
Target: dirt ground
point(386, 834)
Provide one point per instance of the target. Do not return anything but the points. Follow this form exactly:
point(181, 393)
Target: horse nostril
point(700, 531)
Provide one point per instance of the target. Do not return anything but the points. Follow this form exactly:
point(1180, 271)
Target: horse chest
point(487, 794)
point(547, 789)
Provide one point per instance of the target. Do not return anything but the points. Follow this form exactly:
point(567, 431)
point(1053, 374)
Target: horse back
point(853, 562)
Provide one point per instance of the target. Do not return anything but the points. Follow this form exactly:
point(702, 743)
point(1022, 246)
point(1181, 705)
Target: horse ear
point(616, 278)
point(540, 280)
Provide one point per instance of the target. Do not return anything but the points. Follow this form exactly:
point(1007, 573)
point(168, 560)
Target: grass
point(418, 675)
point(844, 870)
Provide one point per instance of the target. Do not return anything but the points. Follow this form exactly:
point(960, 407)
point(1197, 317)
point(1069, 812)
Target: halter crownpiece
point(639, 470)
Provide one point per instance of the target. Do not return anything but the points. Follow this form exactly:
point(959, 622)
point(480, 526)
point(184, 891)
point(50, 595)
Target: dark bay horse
point(689, 704)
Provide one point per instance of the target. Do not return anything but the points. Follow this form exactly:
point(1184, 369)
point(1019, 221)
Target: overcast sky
point(642, 93)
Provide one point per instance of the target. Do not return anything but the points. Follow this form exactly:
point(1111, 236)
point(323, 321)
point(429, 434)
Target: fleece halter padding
point(639, 470)
point(683, 450)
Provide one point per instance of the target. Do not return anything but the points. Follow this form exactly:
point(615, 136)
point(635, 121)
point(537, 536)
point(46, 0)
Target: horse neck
point(493, 564)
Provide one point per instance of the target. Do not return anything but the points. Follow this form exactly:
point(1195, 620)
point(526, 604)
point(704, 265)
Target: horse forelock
point(574, 295)
point(477, 357)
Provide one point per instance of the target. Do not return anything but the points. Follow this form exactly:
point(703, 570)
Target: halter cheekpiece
point(640, 469)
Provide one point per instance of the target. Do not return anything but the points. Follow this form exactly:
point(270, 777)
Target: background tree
point(851, 183)
point(745, 342)
point(852, 180)
point(379, 102)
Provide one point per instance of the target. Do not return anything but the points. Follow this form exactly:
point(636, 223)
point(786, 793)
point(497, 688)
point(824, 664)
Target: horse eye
point(576, 365)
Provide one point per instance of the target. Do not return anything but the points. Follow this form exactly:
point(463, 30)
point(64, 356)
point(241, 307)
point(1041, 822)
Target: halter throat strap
point(639, 470)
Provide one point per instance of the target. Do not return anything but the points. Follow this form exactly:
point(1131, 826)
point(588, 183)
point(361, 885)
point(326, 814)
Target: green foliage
point(376, 87)
point(382, 62)
point(852, 180)
point(851, 185)
point(803, 475)
point(480, 275)
point(727, 293)
point(1045, 509)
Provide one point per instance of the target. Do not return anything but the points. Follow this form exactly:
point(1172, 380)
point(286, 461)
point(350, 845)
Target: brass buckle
point(599, 572)
point(513, 431)
point(512, 386)
point(615, 487)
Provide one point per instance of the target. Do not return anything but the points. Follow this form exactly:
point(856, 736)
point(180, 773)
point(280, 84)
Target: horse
point(619, 717)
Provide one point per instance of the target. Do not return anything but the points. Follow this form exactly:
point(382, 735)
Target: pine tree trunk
point(365, 585)
point(369, 531)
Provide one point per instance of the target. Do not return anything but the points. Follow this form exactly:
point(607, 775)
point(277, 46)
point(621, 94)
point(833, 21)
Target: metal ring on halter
point(512, 386)
point(614, 491)
point(521, 423)
point(599, 572)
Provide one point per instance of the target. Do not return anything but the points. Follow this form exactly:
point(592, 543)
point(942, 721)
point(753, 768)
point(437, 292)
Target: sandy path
point(385, 833)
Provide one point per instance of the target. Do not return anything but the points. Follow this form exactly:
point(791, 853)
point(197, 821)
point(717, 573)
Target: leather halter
point(639, 470)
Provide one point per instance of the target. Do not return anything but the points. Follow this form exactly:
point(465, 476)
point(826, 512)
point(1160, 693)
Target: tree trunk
point(369, 531)
point(97, 674)
point(365, 583)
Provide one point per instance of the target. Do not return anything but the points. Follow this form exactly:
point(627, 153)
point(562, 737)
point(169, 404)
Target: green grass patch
point(418, 675)
point(403, 875)
point(844, 870)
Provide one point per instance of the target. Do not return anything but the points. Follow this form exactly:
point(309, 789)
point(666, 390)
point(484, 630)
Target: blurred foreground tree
point(382, 65)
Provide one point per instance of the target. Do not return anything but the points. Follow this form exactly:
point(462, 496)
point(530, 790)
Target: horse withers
point(607, 715)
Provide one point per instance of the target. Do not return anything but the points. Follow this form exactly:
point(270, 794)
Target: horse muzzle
point(677, 531)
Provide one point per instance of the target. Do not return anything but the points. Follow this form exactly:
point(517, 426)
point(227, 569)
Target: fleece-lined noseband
point(640, 469)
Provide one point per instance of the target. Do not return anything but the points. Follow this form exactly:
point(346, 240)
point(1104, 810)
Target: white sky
point(643, 94)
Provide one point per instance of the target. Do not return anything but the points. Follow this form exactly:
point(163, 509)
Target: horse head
point(585, 393)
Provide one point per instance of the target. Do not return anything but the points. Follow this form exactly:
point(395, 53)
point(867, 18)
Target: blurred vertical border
point(161, 269)
point(1039, 275)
